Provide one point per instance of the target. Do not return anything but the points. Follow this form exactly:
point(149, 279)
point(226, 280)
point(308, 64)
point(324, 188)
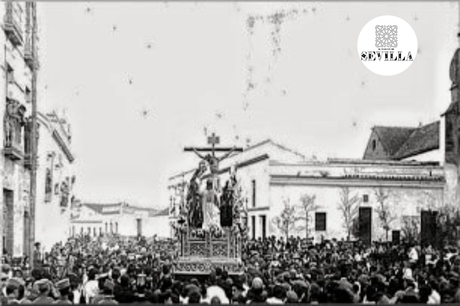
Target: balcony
point(12, 27)
point(13, 153)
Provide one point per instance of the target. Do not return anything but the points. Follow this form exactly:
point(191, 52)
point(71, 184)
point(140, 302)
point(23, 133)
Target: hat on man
point(3, 276)
point(6, 268)
point(63, 283)
point(42, 285)
point(13, 282)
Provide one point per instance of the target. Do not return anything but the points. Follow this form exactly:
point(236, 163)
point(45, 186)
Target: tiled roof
point(102, 208)
point(393, 138)
point(423, 139)
point(163, 212)
point(404, 142)
point(99, 207)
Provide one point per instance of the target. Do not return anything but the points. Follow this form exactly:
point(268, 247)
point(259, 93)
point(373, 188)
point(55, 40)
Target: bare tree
point(349, 206)
point(383, 210)
point(448, 222)
point(410, 229)
point(286, 221)
point(307, 205)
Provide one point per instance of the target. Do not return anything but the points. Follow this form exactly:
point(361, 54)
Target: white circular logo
point(387, 45)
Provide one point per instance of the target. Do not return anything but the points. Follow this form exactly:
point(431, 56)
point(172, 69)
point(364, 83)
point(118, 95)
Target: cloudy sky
point(139, 81)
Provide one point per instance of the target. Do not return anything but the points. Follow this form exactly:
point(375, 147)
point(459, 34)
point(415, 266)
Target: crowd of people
point(277, 271)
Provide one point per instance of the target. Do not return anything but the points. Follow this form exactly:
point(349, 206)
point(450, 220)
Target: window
point(253, 193)
point(374, 145)
point(94, 231)
point(253, 219)
point(9, 74)
point(89, 230)
point(28, 95)
point(395, 236)
point(81, 230)
point(100, 231)
point(116, 227)
point(139, 226)
point(111, 227)
point(106, 227)
point(320, 221)
point(263, 226)
point(366, 198)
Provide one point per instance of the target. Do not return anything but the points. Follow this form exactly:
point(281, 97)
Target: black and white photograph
point(221, 152)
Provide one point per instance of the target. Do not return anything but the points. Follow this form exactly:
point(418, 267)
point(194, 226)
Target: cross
point(213, 140)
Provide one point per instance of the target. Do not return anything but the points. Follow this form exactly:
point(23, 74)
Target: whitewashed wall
point(51, 213)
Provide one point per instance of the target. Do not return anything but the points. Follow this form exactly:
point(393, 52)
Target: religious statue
point(213, 163)
point(195, 211)
point(13, 122)
point(198, 203)
point(226, 209)
point(211, 207)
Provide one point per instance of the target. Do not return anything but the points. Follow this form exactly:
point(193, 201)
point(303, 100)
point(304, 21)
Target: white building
point(55, 180)
point(119, 218)
point(272, 175)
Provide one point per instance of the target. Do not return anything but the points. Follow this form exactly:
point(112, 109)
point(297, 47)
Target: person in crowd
point(277, 271)
point(107, 291)
point(63, 286)
point(44, 290)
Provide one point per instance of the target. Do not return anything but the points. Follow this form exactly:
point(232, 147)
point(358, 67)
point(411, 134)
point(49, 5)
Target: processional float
point(212, 224)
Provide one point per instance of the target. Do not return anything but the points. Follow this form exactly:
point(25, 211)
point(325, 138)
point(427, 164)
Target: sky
point(140, 81)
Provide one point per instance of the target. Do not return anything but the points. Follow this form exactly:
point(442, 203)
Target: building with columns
point(19, 62)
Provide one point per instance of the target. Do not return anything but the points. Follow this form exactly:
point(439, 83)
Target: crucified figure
point(214, 161)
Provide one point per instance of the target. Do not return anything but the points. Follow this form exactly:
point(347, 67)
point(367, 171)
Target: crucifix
point(212, 160)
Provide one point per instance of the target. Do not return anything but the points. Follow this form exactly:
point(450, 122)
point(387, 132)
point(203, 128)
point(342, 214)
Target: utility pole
point(33, 143)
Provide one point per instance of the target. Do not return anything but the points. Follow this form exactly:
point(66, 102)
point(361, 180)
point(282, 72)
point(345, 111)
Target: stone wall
point(2, 113)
